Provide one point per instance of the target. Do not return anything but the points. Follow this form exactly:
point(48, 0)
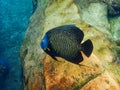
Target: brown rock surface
point(103, 82)
point(65, 75)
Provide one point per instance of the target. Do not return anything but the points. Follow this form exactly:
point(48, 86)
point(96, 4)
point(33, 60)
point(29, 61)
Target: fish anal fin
point(77, 59)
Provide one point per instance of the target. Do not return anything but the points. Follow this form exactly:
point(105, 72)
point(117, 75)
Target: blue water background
point(14, 18)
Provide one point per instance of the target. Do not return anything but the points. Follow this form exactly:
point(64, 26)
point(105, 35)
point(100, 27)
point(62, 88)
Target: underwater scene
point(60, 45)
point(14, 18)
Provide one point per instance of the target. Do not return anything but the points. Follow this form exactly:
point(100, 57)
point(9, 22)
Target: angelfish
point(65, 41)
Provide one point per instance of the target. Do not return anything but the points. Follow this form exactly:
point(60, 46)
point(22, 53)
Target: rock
point(41, 72)
point(95, 14)
point(113, 7)
point(31, 54)
point(70, 76)
point(115, 28)
point(103, 82)
point(115, 32)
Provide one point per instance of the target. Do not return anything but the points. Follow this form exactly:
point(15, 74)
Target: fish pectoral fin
point(54, 58)
point(48, 49)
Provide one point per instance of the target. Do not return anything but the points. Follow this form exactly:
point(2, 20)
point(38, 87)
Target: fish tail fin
point(87, 47)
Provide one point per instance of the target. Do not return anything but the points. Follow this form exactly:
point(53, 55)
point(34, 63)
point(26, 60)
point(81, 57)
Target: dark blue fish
point(65, 41)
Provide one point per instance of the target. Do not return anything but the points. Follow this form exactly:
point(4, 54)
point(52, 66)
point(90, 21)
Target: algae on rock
point(31, 55)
